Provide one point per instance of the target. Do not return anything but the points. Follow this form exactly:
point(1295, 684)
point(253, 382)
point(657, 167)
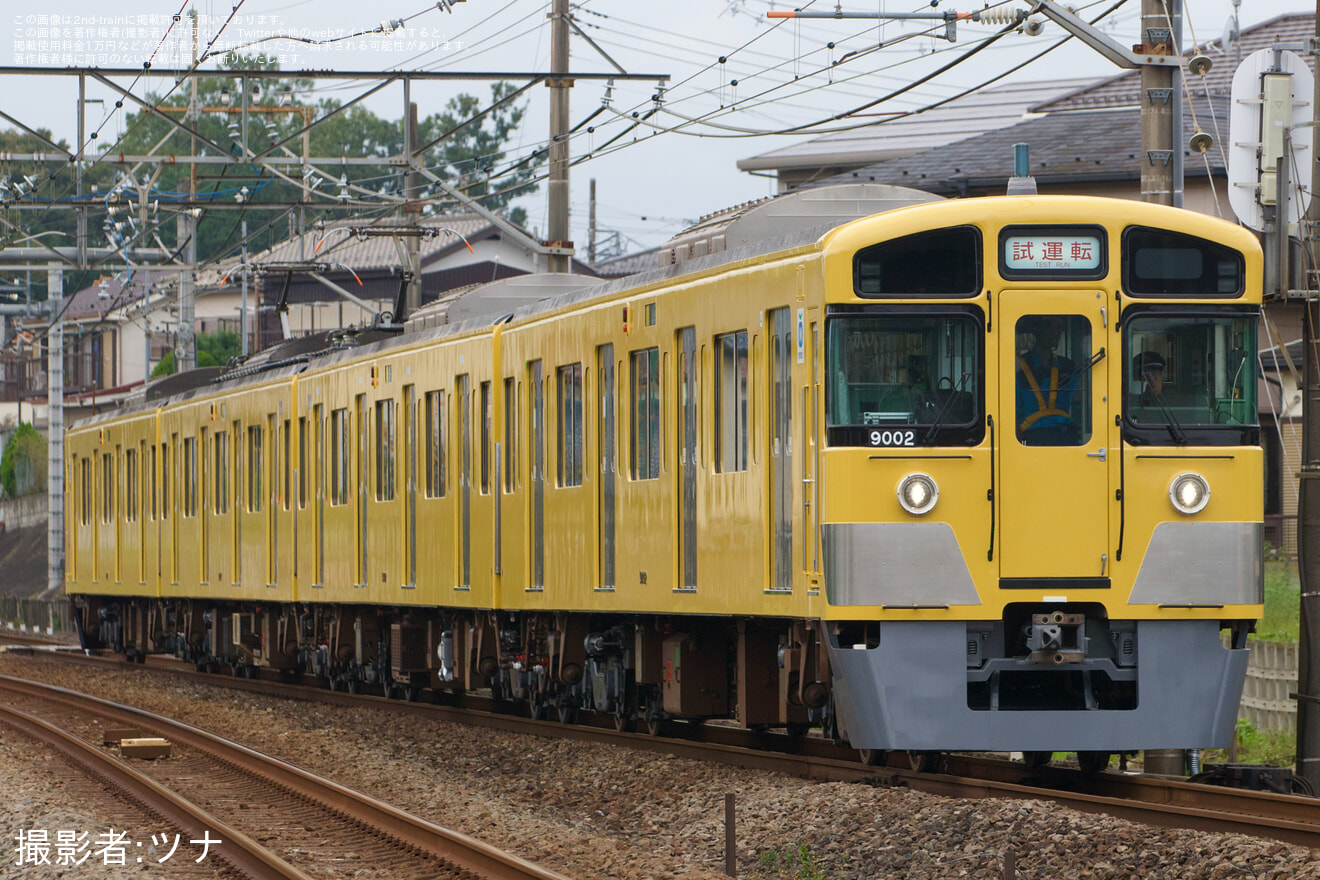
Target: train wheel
point(537, 707)
point(412, 693)
point(625, 721)
point(1093, 762)
point(354, 686)
point(874, 757)
point(568, 713)
point(923, 762)
point(1036, 760)
point(657, 722)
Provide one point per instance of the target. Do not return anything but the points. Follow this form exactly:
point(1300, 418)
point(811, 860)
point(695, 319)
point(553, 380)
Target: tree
point(23, 466)
point(466, 158)
point(213, 350)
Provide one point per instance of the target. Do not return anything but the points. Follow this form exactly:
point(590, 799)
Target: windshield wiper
point(1083, 367)
point(939, 417)
point(1170, 421)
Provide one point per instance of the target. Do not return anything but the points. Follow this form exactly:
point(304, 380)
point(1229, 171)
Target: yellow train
point(977, 474)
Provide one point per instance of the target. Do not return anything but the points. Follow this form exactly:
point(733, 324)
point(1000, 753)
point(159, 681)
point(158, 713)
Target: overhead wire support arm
point(1070, 22)
point(950, 19)
point(1098, 41)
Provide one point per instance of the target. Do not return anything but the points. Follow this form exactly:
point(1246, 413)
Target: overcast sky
point(659, 176)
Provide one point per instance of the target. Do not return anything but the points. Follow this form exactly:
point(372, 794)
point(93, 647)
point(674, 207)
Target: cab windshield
point(1189, 378)
point(921, 371)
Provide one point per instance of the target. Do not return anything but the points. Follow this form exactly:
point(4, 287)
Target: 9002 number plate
point(892, 437)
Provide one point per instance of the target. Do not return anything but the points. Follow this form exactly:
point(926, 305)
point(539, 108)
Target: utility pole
point(243, 305)
point(561, 258)
point(55, 432)
point(1308, 499)
point(185, 349)
point(1160, 100)
point(412, 211)
point(591, 225)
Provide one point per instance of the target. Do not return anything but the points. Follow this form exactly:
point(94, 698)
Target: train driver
point(1046, 386)
point(1148, 369)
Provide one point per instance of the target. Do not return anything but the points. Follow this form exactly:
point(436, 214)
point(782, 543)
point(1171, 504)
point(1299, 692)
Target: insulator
point(1000, 15)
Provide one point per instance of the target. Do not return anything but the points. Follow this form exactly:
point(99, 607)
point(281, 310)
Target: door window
point(1053, 380)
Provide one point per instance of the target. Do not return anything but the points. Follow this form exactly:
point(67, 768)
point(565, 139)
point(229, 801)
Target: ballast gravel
point(591, 811)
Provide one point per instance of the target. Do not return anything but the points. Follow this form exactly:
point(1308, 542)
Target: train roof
point(796, 220)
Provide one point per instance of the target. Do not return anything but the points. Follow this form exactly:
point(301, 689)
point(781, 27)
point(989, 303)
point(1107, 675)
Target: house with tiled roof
point(116, 330)
point(466, 249)
point(905, 132)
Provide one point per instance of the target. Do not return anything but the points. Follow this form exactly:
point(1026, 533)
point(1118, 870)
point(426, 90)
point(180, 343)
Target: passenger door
point(1054, 473)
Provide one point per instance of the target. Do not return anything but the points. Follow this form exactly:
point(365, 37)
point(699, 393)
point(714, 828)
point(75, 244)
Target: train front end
point(1041, 494)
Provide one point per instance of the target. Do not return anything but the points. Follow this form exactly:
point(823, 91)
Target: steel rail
point(1148, 799)
point(239, 851)
point(463, 852)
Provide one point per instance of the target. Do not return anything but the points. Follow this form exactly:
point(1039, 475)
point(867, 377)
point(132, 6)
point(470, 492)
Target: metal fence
point(48, 617)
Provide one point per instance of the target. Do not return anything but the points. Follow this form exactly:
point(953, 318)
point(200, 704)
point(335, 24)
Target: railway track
point(276, 820)
point(1147, 799)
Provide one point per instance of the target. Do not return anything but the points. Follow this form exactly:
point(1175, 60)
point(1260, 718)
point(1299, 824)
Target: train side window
point(165, 478)
point(569, 413)
point(151, 483)
point(190, 476)
point(107, 487)
point(85, 509)
point(340, 465)
point(486, 416)
point(221, 448)
point(644, 414)
point(130, 485)
point(731, 402)
point(510, 435)
point(437, 442)
point(385, 450)
point(302, 462)
point(254, 469)
point(287, 462)
point(939, 262)
point(1158, 263)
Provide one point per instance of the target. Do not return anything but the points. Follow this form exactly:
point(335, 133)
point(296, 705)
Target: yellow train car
point(934, 475)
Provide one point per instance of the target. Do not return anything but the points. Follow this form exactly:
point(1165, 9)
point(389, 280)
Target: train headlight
point(1190, 493)
point(918, 494)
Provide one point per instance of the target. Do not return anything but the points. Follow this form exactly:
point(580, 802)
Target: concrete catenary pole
point(412, 215)
point(557, 188)
point(1157, 105)
point(55, 432)
point(1308, 506)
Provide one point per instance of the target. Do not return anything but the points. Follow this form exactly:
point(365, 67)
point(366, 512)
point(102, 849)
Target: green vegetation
point(1282, 601)
point(1278, 748)
point(466, 149)
point(795, 863)
point(23, 467)
point(213, 350)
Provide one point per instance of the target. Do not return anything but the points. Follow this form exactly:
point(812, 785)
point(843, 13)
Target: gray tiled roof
point(967, 115)
point(1100, 145)
point(96, 301)
point(1125, 89)
point(367, 253)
